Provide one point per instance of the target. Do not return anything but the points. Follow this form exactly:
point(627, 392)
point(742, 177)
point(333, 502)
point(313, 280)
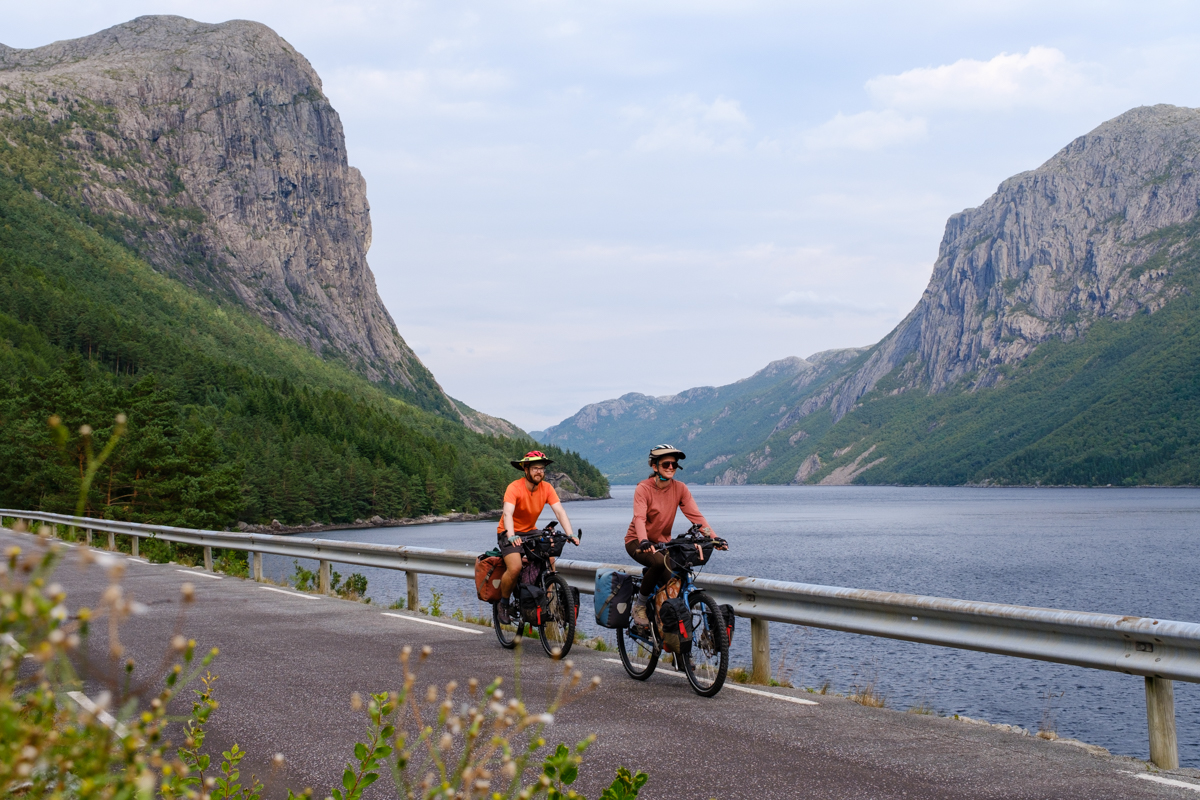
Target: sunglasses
point(668, 464)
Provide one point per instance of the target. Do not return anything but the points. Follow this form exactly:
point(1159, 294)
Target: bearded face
point(535, 473)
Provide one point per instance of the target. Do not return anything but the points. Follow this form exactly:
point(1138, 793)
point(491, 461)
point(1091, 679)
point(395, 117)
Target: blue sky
point(576, 200)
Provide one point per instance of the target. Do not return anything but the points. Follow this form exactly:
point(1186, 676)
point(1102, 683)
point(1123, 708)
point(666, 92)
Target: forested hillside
point(183, 241)
point(227, 419)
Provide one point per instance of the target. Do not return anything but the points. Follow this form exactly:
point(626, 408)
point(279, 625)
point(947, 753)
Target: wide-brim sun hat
point(666, 450)
point(532, 457)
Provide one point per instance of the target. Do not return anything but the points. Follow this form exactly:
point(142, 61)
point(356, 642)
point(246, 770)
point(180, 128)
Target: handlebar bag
point(694, 555)
point(676, 619)
point(614, 598)
point(489, 569)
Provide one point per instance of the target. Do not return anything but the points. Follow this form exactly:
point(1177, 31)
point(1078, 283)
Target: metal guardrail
point(1160, 650)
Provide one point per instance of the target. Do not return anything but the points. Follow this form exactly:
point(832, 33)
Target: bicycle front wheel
point(557, 630)
point(507, 632)
point(638, 656)
point(708, 661)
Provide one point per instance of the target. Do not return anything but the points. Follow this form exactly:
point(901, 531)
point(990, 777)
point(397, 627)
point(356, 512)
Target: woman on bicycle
point(655, 501)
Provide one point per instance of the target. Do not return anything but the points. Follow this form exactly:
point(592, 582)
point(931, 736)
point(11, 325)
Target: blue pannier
point(614, 596)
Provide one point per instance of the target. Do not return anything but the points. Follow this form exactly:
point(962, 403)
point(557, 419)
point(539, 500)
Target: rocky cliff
point(212, 150)
point(1051, 252)
point(1090, 262)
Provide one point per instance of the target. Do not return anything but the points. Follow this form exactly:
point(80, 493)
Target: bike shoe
point(639, 615)
point(505, 617)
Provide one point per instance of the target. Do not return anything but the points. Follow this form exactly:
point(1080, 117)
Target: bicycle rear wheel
point(508, 632)
point(557, 630)
point(708, 661)
point(639, 656)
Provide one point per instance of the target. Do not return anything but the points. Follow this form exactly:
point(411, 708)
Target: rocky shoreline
point(279, 528)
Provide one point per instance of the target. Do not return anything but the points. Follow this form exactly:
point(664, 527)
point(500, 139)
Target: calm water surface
point(1122, 551)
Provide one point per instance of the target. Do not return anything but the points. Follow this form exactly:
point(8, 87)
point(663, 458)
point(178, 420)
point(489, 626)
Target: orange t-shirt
point(528, 504)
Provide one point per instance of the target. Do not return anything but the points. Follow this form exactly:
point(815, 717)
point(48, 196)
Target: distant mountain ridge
point(212, 151)
point(709, 421)
point(1073, 282)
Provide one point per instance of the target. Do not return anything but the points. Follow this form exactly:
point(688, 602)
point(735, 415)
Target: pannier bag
point(727, 621)
point(613, 598)
point(533, 603)
point(676, 619)
point(489, 569)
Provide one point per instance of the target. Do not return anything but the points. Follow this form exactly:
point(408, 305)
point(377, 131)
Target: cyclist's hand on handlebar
point(720, 543)
point(645, 545)
point(515, 541)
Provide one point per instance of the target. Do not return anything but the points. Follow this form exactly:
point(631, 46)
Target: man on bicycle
point(524, 500)
point(655, 501)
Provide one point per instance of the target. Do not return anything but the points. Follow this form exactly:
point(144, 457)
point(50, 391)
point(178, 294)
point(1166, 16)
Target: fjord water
point(1122, 551)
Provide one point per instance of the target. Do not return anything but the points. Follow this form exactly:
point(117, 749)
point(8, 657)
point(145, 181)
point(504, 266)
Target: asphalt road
point(288, 665)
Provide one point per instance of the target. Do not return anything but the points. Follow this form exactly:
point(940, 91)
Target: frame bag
point(613, 598)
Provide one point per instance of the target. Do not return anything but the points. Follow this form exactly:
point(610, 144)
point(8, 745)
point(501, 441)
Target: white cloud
point(811, 304)
point(445, 92)
point(867, 130)
point(686, 123)
point(1042, 77)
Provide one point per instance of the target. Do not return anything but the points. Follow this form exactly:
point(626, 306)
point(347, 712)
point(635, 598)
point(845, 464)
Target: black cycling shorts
point(505, 547)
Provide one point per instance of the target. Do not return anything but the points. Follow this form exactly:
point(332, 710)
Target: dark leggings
point(655, 572)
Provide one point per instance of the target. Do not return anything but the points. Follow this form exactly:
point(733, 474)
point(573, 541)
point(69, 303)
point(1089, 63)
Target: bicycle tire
point(509, 633)
point(638, 659)
point(707, 663)
point(557, 630)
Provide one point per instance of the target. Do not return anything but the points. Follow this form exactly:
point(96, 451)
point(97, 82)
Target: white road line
point(773, 695)
point(86, 704)
point(200, 574)
point(431, 622)
point(138, 560)
point(285, 591)
point(800, 701)
point(1168, 781)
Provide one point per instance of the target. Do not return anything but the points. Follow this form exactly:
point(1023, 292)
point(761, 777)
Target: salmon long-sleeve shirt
point(654, 510)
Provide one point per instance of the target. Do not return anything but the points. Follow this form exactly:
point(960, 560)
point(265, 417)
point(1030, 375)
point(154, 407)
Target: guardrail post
point(323, 577)
point(112, 541)
point(256, 566)
point(87, 532)
point(760, 649)
point(414, 597)
point(208, 558)
point(133, 545)
point(1160, 717)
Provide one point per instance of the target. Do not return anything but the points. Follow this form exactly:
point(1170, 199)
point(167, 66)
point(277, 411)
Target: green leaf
point(360, 751)
point(347, 779)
